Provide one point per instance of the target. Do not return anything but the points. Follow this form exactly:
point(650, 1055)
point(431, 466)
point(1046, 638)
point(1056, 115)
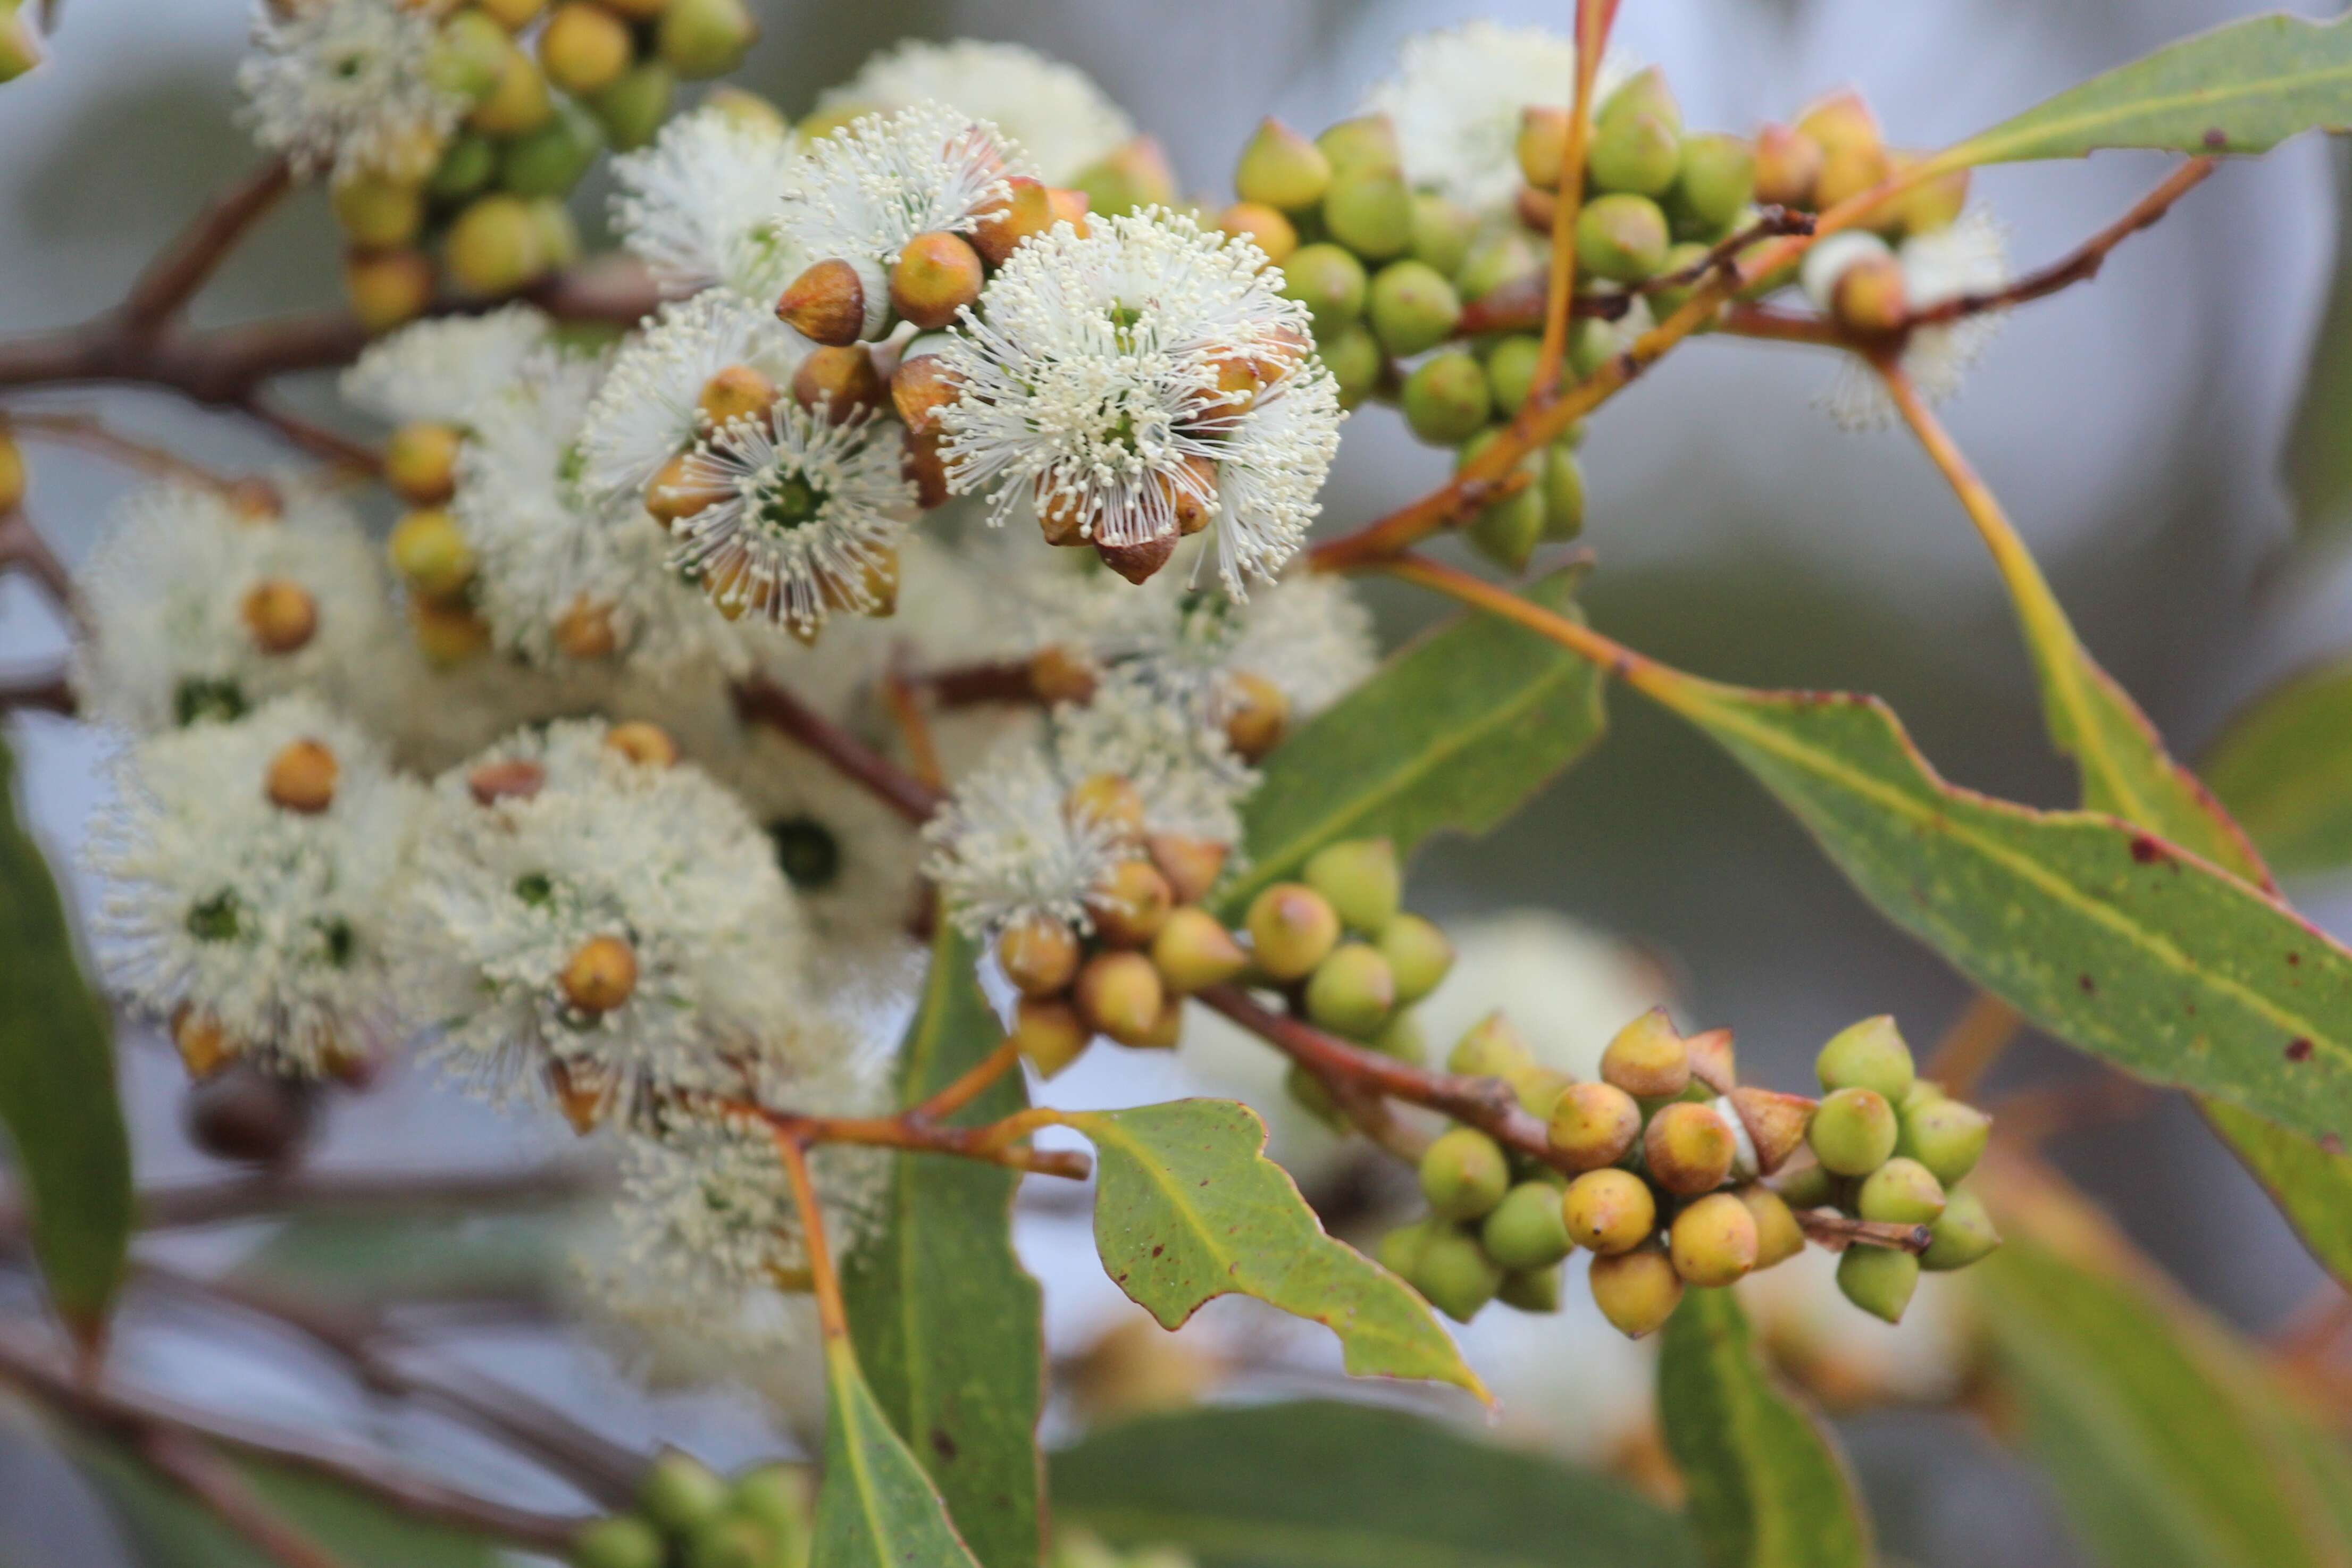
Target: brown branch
point(215, 1202)
point(970, 685)
point(973, 1083)
point(86, 431)
point(173, 279)
point(1519, 305)
point(1781, 325)
point(914, 729)
point(216, 1483)
point(1592, 22)
point(1836, 1232)
point(1974, 1042)
point(52, 692)
point(996, 1143)
point(765, 702)
point(22, 548)
point(328, 446)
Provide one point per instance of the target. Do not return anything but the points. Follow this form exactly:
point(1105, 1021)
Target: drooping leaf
point(2318, 462)
point(1319, 1484)
point(2311, 1184)
point(56, 1086)
point(1767, 1488)
point(2243, 88)
point(1189, 1208)
point(947, 1322)
point(876, 1508)
point(1455, 732)
point(2285, 767)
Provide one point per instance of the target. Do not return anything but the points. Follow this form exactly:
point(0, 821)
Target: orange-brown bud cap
point(1775, 1124)
point(282, 615)
point(1869, 297)
point(1193, 950)
point(1058, 675)
point(1131, 904)
point(1688, 1148)
point(1191, 865)
point(1122, 995)
point(1138, 562)
point(600, 975)
point(737, 391)
point(1069, 207)
point(937, 275)
point(517, 778)
point(301, 778)
point(1029, 211)
point(837, 383)
point(1788, 162)
point(585, 630)
point(672, 494)
point(1039, 954)
point(1263, 225)
point(1108, 798)
point(926, 466)
point(1648, 1059)
point(649, 745)
point(1711, 1060)
point(825, 303)
point(1257, 715)
point(1049, 1033)
point(919, 388)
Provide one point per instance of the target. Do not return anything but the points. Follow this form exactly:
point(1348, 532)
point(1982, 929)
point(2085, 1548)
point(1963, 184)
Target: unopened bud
point(1945, 1136)
point(1039, 954)
point(837, 383)
point(736, 392)
point(517, 102)
point(1291, 928)
point(1059, 675)
point(389, 289)
point(1130, 903)
point(617, 1540)
point(301, 778)
point(1138, 562)
point(1648, 1059)
point(1542, 142)
point(1639, 152)
point(1282, 169)
point(377, 213)
point(203, 1044)
point(647, 744)
point(1716, 182)
point(919, 388)
point(1049, 1033)
point(1643, 93)
point(1636, 1291)
point(1900, 1192)
point(282, 615)
point(1420, 955)
point(1413, 307)
point(1932, 205)
point(1256, 714)
point(1508, 531)
point(1132, 176)
point(514, 16)
point(420, 462)
point(1526, 1230)
point(429, 552)
point(1531, 1289)
point(1713, 1243)
point(599, 976)
point(1329, 281)
point(1622, 238)
point(1687, 1149)
point(585, 630)
point(1490, 1048)
point(1194, 951)
point(635, 105)
point(825, 303)
point(11, 473)
point(1370, 210)
point(1848, 172)
point(1455, 1275)
point(1120, 995)
point(1464, 1174)
point(446, 634)
point(495, 246)
point(1191, 488)
point(20, 47)
point(1712, 1062)
point(1778, 1237)
point(679, 1492)
point(1353, 357)
point(1191, 865)
point(1028, 210)
point(926, 467)
point(1068, 207)
point(1961, 1235)
point(1361, 879)
point(1775, 1124)
point(1367, 141)
point(1109, 800)
point(1839, 122)
point(1867, 1055)
point(1446, 399)
point(1593, 1124)
point(1263, 226)
point(672, 494)
point(585, 47)
point(1852, 1132)
point(516, 778)
point(1609, 1210)
point(704, 39)
point(1351, 991)
point(1878, 1279)
point(937, 275)
point(242, 1113)
point(1869, 299)
point(1788, 162)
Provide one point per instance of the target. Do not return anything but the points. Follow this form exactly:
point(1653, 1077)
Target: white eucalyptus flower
point(699, 205)
point(1002, 848)
point(1059, 116)
point(439, 370)
point(1191, 783)
point(647, 411)
point(1968, 256)
point(348, 86)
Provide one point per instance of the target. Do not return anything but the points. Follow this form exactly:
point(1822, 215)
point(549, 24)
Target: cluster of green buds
point(1659, 1168)
point(547, 90)
point(688, 1516)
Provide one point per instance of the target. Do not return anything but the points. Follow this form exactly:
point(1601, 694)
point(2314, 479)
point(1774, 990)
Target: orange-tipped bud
point(282, 615)
point(585, 630)
point(649, 745)
point(837, 383)
point(919, 388)
point(1138, 562)
point(738, 392)
point(1029, 211)
point(1257, 715)
point(301, 778)
point(672, 496)
point(937, 275)
point(825, 303)
point(600, 976)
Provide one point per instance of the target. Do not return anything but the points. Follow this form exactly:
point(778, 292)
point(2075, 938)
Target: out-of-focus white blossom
point(439, 370)
point(348, 86)
point(1969, 256)
point(1055, 111)
point(1004, 850)
point(699, 205)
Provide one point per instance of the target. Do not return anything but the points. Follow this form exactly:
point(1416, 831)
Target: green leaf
point(948, 1323)
point(2318, 462)
point(56, 1086)
point(2243, 88)
point(1767, 1488)
point(1455, 731)
point(1188, 1208)
point(2104, 935)
point(2311, 1186)
point(1318, 1484)
point(2285, 769)
point(876, 1508)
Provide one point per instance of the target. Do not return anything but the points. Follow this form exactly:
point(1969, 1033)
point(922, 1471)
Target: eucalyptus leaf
point(2284, 767)
point(876, 1508)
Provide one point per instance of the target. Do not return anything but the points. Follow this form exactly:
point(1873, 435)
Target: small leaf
point(1319, 1484)
point(2285, 769)
point(1455, 732)
point(2243, 88)
point(2318, 462)
point(1767, 1488)
point(948, 1323)
point(876, 1508)
point(1188, 1208)
point(2312, 1187)
point(57, 1087)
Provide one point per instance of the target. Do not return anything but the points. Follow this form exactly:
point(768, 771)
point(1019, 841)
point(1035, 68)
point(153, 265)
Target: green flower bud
point(1282, 169)
point(431, 553)
point(1644, 92)
point(1192, 951)
point(1852, 1132)
point(1648, 1059)
point(495, 247)
point(734, 1541)
point(1402, 1038)
point(1936, 204)
point(469, 55)
point(1900, 1192)
point(1495, 261)
point(1419, 956)
point(623, 1540)
point(1878, 1279)
point(1490, 1048)
point(1688, 1148)
point(377, 213)
point(679, 1491)
point(1963, 1233)
point(633, 107)
point(1639, 152)
point(1351, 991)
point(1712, 1241)
point(702, 38)
point(1508, 532)
point(1542, 144)
point(1353, 357)
point(1464, 1174)
point(1291, 927)
point(1594, 1124)
point(1636, 1291)
point(585, 47)
point(1537, 1088)
point(1367, 141)
point(549, 162)
point(1809, 1187)
point(1511, 369)
point(1563, 492)
point(1526, 1230)
point(1609, 1210)
point(1122, 995)
point(1400, 1250)
point(469, 162)
point(1329, 281)
point(1264, 227)
point(1361, 879)
point(1867, 1055)
point(1592, 343)
point(777, 1496)
point(1716, 182)
point(1132, 176)
point(1456, 1275)
point(519, 101)
point(1664, 302)
point(1445, 398)
point(559, 236)
point(1946, 1136)
point(1307, 1092)
point(1621, 237)
point(1370, 210)
point(1442, 232)
point(1778, 1237)
point(1413, 307)
point(1531, 1289)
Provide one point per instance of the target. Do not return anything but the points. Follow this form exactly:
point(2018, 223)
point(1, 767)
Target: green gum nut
point(1878, 1279)
point(1946, 1137)
point(1961, 1235)
point(776, 1497)
point(1445, 398)
point(1621, 237)
point(1367, 141)
point(1852, 1132)
point(1495, 261)
point(469, 164)
point(1593, 1124)
point(1329, 281)
point(1402, 1037)
point(559, 236)
point(1455, 1275)
point(1292, 927)
point(1370, 210)
point(623, 1541)
point(1643, 93)
point(1419, 956)
point(1511, 369)
point(1282, 169)
point(1351, 992)
point(1442, 232)
point(1867, 1055)
point(1901, 1192)
point(1538, 1088)
point(1362, 880)
point(1400, 1250)
point(633, 107)
point(1526, 1230)
point(1681, 258)
point(702, 38)
point(1716, 181)
point(736, 1541)
point(1531, 1289)
point(549, 162)
point(1353, 357)
point(1592, 343)
point(469, 55)
point(679, 1491)
point(1563, 492)
point(1508, 532)
point(1809, 1187)
point(1413, 307)
point(1639, 152)
point(1464, 1174)
point(495, 245)
point(1490, 1048)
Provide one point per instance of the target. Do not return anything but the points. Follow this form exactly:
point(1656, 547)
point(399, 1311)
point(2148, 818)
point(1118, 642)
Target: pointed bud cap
point(1194, 951)
point(1609, 1210)
point(937, 275)
point(837, 383)
point(1878, 1279)
point(1191, 865)
point(1122, 995)
point(1543, 139)
point(1420, 955)
point(1711, 1060)
point(1648, 1059)
point(1138, 562)
point(1788, 162)
point(1351, 991)
point(1636, 1292)
point(1362, 880)
point(1774, 1123)
point(1961, 1235)
point(1464, 1174)
point(1028, 210)
point(1688, 1149)
point(825, 303)
point(1257, 715)
point(1281, 169)
point(1593, 1124)
point(919, 388)
point(1131, 905)
point(282, 615)
point(301, 778)
point(1291, 928)
point(1049, 1034)
point(1778, 1237)
point(1039, 954)
point(1491, 1048)
point(1712, 1241)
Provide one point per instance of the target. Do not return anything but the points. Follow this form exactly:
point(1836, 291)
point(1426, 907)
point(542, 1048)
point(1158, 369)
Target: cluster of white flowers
point(1058, 114)
point(647, 411)
point(699, 206)
point(349, 86)
point(438, 371)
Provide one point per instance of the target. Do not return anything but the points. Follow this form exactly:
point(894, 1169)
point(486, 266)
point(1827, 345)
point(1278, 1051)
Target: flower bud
point(1639, 152)
point(1167, 1032)
point(617, 1540)
point(1445, 398)
point(1847, 172)
point(1526, 1230)
point(1131, 904)
point(1133, 176)
point(703, 38)
point(1120, 995)
point(837, 383)
point(672, 496)
point(1137, 563)
point(1852, 1132)
point(919, 388)
point(1711, 1060)
point(1648, 1059)
point(1643, 93)
point(1192, 498)
point(1361, 879)
point(1367, 141)
point(937, 275)
point(1878, 1279)
point(1069, 207)
point(1962, 1234)
point(1495, 262)
point(1538, 1088)
point(737, 391)
point(1049, 1033)
point(1108, 800)
point(429, 552)
point(1775, 1124)
point(516, 778)
point(1537, 210)
point(1930, 206)
point(1464, 1174)
point(1609, 1210)
point(1688, 1148)
point(1869, 299)
point(11, 473)
point(1310, 1095)
point(1531, 1289)
point(1194, 951)
point(1839, 122)
point(826, 304)
point(1370, 210)
point(1352, 355)
point(1039, 954)
point(1542, 143)
point(1191, 865)
point(1455, 1275)
point(926, 467)
point(420, 462)
point(1329, 281)
point(647, 744)
point(1716, 181)
point(1413, 307)
point(1419, 956)
point(1291, 928)
point(1593, 1124)
point(1400, 1250)
point(1256, 714)
point(1281, 169)
point(1621, 237)
point(1945, 1136)
point(1713, 1243)
point(585, 47)
point(280, 615)
point(1900, 1192)
point(388, 290)
point(1828, 260)
point(446, 634)
point(750, 111)
point(1029, 210)
point(1351, 991)
point(1778, 1237)
point(376, 213)
point(1809, 1187)
point(679, 1491)
point(514, 16)
point(495, 246)
point(203, 1044)
point(1263, 226)
point(301, 778)
point(1788, 162)
point(1592, 343)
point(245, 1114)
point(1490, 1048)
point(1442, 232)
point(1636, 1291)
point(517, 102)
point(599, 976)
point(585, 629)
point(548, 161)
point(1402, 1039)
point(1867, 1055)
point(1508, 532)
point(634, 106)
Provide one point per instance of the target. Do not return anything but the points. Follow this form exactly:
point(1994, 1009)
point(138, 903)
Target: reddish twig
point(173, 279)
point(914, 729)
point(1519, 305)
point(1592, 22)
point(765, 702)
point(1974, 1042)
point(22, 548)
point(973, 1083)
point(216, 1483)
point(997, 1143)
point(86, 431)
point(52, 692)
point(970, 685)
point(1836, 1232)
point(328, 446)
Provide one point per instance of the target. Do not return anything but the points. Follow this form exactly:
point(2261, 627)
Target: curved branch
point(173, 279)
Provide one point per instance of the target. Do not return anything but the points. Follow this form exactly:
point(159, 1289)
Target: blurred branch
point(1519, 305)
point(317, 440)
point(1593, 18)
point(22, 548)
point(216, 1483)
point(86, 431)
point(51, 693)
point(215, 1202)
point(173, 279)
point(1974, 1042)
point(767, 703)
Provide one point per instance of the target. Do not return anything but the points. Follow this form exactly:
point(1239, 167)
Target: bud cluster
point(688, 1514)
